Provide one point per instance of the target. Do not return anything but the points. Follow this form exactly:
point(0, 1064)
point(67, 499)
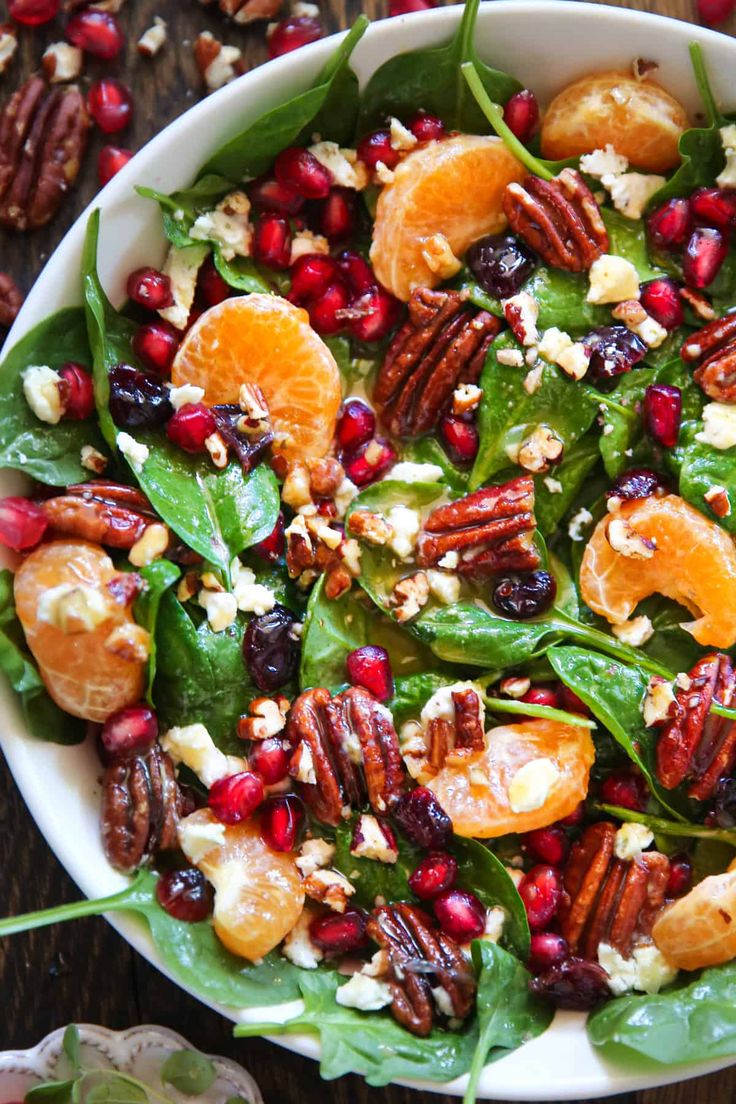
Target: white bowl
point(545, 44)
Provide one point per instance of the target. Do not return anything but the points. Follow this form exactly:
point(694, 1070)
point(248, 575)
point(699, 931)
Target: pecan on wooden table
point(558, 218)
point(141, 806)
point(11, 300)
point(713, 349)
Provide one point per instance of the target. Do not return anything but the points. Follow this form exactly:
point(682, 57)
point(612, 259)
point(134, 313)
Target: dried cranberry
point(422, 819)
point(546, 949)
point(185, 894)
point(625, 789)
point(338, 933)
point(501, 264)
point(704, 254)
point(427, 128)
point(724, 807)
point(326, 313)
point(661, 299)
point(523, 596)
point(272, 546)
point(374, 314)
point(129, 732)
point(190, 427)
point(370, 462)
point(370, 668)
point(110, 161)
point(613, 351)
point(356, 271)
point(714, 207)
point(79, 391)
point(292, 33)
point(670, 224)
point(571, 702)
point(22, 523)
point(301, 170)
point(311, 275)
point(355, 426)
point(404, 7)
point(267, 194)
point(637, 483)
point(96, 33)
point(210, 283)
point(547, 845)
point(575, 983)
point(32, 13)
point(377, 147)
point(459, 438)
point(281, 820)
point(541, 890)
point(715, 12)
point(681, 876)
point(434, 875)
point(338, 214)
point(236, 797)
point(138, 400)
point(271, 649)
point(662, 413)
point(521, 115)
point(460, 915)
point(272, 241)
point(110, 104)
point(156, 344)
point(270, 759)
point(150, 288)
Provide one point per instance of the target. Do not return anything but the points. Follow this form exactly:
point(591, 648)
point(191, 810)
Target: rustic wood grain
point(84, 971)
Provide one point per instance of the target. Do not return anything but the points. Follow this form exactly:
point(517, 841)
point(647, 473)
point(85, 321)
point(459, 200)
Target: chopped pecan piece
point(409, 596)
point(246, 11)
point(102, 512)
point(713, 349)
point(606, 899)
point(349, 746)
point(442, 344)
point(695, 744)
point(558, 218)
point(141, 806)
point(314, 547)
point(492, 529)
point(421, 959)
point(11, 299)
point(43, 137)
point(466, 731)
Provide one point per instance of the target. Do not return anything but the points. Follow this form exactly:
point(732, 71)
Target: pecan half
point(102, 512)
point(606, 899)
point(443, 343)
point(558, 218)
point(346, 751)
point(11, 299)
point(695, 744)
point(465, 732)
point(43, 137)
point(492, 530)
point(713, 349)
point(421, 959)
point(141, 806)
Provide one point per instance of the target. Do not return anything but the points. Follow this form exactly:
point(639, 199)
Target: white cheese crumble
point(314, 854)
point(444, 587)
point(409, 472)
point(365, 993)
point(306, 242)
point(220, 606)
point(135, 452)
point(630, 192)
point(42, 391)
point(184, 395)
point(401, 137)
point(553, 485)
point(228, 225)
point(250, 596)
point(727, 177)
point(532, 784)
point(344, 495)
point(198, 837)
point(659, 696)
point(578, 522)
point(74, 607)
point(512, 358)
point(182, 266)
point(647, 970)
point(719, 426)
point(347, 171)
point(635, 632)
point(603, 162)
point(449, 561)
point(553, 344)
point(298, 946)
point(193, 746)
point(405, 524)
point(574, 361)
point(631, 839)
point(612, 279)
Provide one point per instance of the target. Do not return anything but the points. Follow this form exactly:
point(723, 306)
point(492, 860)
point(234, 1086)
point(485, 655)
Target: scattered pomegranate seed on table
point(32, 13)
point(370, 668)
point(110, 161)
point(96, 32)
point(190, 427)
point(292, 33)
point(79, 392)
point(110, 104)
point(22, 523)
point(236, 797)
point(662, 413)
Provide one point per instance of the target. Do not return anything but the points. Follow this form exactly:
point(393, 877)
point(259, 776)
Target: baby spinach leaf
point(329, 107)
point(49, 453)
point(628, 239)
point(702, 467)
point(189, 1072)
point(412, 692)
point(51, 1092)
point(551, 505)
point(180, 209)
point(428, 450)
point(243, 273)
point(484, 873)
point(671, 644)
point(158, 577)
point(372, 878)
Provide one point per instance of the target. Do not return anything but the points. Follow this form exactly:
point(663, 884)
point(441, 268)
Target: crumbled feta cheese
point(153, 39)
point(187, 393)
point(444, 587)
point(384, 175)
point(74, 607)
point(405, 524)
point(182, 266)
point(92, 460)
point(727, 177)
point(303, 765)
point(329, 887)
point(441, 706)
point(574, 361)
point(135, 452)
point(61, 62)
point(42, 391)
point(193, 746)
point(612, 279)
point(553, 344)
point(250, 596)
point(632, 191)
point(635, 632)
point(658, 699)
point(314, 854)
point(197, 837)
point(347, 171)
point(220, 606)
point(553, 485)
point(532, 784)
point(578, 522)
point(603, 162)
point(305, 242)
point(365, 993)
point(298, 946)
point(449, 561)
point(719, 426)
point(370, 841)
point(647, 970)
point(627, 541)
point(631, 839)
point(409, 472)
point(401, 137)
point(150, 546)
point(439, 257)
point(512, 358)
point(495, 921)
point(344, 495)
point(228, 225)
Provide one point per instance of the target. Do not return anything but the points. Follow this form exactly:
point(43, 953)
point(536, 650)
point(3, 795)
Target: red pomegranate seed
point(625, 789)
point(301, 170)
point(426, 127)
point(338, 216)
point(356, 270)
point(292, 33)
point(714, 207)
point(540, 890)
point(281, 819)
point(185, 894)
point(211, 285)
point(156, 344)
point(338, 933)
point(521, 115)
point(546, 949)
point(272, 241)
point(460, 915)
point(661, 299)
point(355, 426)
point(576, 817)
point(32, 13)
point(79, 391)
point(375, 313)
point(404, 7)
point(434, 875)
point(715, 12)
point(129, 732)
point(370, 462)
point(270, 759)
point(150, 288)
point(22, 523)
point(272, 547)
point(570, 702)
point(235, 798)
point(96, 33)
point(541, 695)
point(311, 275)
point(670, 224)
point(422, 819)
point(704, 254)
point(267, 194)
point(370, 668)
point(110, 161)
point(662, 413)
point(377, 147)
point(681, 876)
point(190, 427)
point(459, 439)
point(325, 313)
point(110, 105)
point(547, 845)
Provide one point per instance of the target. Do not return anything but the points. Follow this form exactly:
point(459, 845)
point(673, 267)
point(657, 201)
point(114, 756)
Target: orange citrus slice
point(452, 188)
point(479, 792)
point(694, 563)
point(265, 340)
point(698, 930)
point(638, 118)
point(81, 674)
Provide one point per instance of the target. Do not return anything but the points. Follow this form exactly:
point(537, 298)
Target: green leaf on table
point(49, 453)
point(189, 1072)
point(158, 577)
point(484, 873)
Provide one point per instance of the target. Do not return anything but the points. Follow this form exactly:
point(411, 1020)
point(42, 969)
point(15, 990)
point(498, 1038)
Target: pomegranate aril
point(369, 463)
point(292, 33)
point(540, 890)
point(661, 299)
point(338, 215)
point(377, 147)
point(546, 949)
point(213, 288)
point(311, 275)
point(129, 732)
point(325, 313)
point(575, 818)
point(185, 894)
point(156, 344)
point(715, 12)
point(356, 270)
point(150, 288)
point(434, 875)
point(374, 314)
point(704, 254)
point(190, 427)
point(662, 413)
point(272, 547)
point(300, 170)
point(681, 876)
point(32, 13)
point(272, 241)
point(270, 759)
point(547, 845)
point(427, 128)
point(338, 933)
point(541, 695)
point(370, 668)
point(110, 104)
point(110, 161)
point(79, 391)
point(355, 426)
point(22, 523)
point(459, 439)
point(96, 32)
point(714, 207)
point(404, 7)
point(670, 224)
point(281, 819)
point(625, 789)
point(460, 915)
point(570, 702)
point(521, 115)
point(237, 797)
point(267, 194)
point(422, 819)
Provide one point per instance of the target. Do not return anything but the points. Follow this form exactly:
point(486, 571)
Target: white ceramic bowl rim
point(561, 41)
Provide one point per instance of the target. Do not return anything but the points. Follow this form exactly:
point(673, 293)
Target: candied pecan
point(713, 349)
point(465, 731)
point(695, 744)
point(348, 745)
point(442, 344)
point(102, 512)
point(492, 529)
point(43, 137)
point(558, 218)
point(607, 899)
point(141, 806)
point(421, 959)
point(11, 299)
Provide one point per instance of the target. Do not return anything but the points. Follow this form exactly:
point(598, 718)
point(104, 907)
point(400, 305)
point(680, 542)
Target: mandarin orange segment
point(81, 674)
point(258, 892)
point(265, 340)
point(452, 188)
point(638, 118)
point(698, 930)
point(694, 563)
point(475, 791)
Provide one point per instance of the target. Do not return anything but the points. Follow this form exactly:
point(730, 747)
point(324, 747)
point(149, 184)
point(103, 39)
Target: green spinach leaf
point(484, 873)
point(412, 692)
point(561, 297)
point(158, 577)
point(371, 878)
point(180, 209)
point(551, 505)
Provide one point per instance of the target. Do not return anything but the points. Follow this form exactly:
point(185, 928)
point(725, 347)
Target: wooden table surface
point(84, 971)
